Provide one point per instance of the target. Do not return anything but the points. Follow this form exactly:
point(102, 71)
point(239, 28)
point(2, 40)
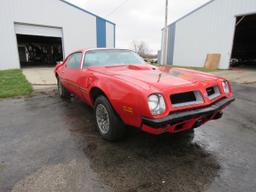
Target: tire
point(62, 91)
point(109, 125)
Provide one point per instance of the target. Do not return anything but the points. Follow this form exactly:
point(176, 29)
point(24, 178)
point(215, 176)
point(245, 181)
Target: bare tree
point(140, 47)
point(134, 46)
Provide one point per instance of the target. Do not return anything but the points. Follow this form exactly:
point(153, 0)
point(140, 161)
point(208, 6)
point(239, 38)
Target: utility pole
point(166, 13)
point(165, 31)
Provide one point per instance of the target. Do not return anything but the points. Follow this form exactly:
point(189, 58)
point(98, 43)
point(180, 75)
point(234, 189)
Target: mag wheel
point(102, 118)
point(109, 125)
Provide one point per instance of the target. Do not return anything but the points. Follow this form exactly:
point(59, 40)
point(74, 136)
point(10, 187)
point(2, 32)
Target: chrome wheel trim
point(102, 118)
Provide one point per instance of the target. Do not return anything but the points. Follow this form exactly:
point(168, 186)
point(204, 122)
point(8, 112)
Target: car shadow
point(141, 162)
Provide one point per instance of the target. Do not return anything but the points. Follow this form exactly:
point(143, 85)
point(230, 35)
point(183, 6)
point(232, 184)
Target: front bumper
point(182, 116)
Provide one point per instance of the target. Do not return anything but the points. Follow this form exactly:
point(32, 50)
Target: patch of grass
point(13, 83)
point(188, 67)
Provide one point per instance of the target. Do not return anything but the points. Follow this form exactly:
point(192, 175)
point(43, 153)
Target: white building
point(36, 32)
point(226, 27)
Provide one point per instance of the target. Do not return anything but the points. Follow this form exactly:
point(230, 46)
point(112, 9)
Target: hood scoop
point(140, 67)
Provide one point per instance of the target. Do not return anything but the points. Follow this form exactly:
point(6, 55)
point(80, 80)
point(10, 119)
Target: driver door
point(85, 80)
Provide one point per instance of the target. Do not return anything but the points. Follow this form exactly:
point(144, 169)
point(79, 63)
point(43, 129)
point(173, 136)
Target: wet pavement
point(47, 144)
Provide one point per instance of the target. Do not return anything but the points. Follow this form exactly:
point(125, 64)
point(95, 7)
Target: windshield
point(111, 57)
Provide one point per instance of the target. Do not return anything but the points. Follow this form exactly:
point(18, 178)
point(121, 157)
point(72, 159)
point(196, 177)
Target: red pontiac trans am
point(124, 90)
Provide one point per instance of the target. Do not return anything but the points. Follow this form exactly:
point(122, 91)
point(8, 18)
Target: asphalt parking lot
point(47, 144)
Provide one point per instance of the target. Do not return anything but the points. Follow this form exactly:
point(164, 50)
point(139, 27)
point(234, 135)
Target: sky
point(138, 20)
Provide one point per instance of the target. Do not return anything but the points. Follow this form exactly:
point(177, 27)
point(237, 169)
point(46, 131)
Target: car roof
point(95, 49)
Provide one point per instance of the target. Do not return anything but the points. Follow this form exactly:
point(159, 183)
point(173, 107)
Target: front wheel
point(109, 125)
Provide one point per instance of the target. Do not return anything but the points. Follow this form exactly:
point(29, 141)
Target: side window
point(90, 59)
point(86, 60)
point(74, 60)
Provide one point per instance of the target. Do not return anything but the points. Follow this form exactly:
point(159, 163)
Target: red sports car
point(124, 90)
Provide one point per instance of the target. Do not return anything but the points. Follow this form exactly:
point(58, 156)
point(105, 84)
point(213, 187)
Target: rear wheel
point(109, 125)
point(62, 91)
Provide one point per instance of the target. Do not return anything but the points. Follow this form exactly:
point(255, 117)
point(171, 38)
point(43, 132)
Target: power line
point(115, 9)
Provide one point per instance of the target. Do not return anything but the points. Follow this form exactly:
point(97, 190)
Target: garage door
point(25, 29)
point(38, 45)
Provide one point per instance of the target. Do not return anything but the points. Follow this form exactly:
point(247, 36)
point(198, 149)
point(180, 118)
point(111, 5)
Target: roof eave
point(189, 13)
point(81, 9)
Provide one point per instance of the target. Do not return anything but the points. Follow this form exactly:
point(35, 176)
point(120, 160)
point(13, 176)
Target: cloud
point(139, 20)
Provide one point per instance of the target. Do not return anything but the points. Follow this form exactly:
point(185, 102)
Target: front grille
point(183, 97)
point(186, 98)
point(213, 92)
point(210, 91)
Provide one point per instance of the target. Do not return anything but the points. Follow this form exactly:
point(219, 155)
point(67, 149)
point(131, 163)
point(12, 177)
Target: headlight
point(225, 87)
point(156, 104)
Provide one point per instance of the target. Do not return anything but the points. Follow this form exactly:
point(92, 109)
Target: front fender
point(128, 101)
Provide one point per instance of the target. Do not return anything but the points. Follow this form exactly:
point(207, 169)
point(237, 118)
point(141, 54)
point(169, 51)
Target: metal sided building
point(225, 27)
point(36, 32)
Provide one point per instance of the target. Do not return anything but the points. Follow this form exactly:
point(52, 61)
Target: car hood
point(159, 77)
